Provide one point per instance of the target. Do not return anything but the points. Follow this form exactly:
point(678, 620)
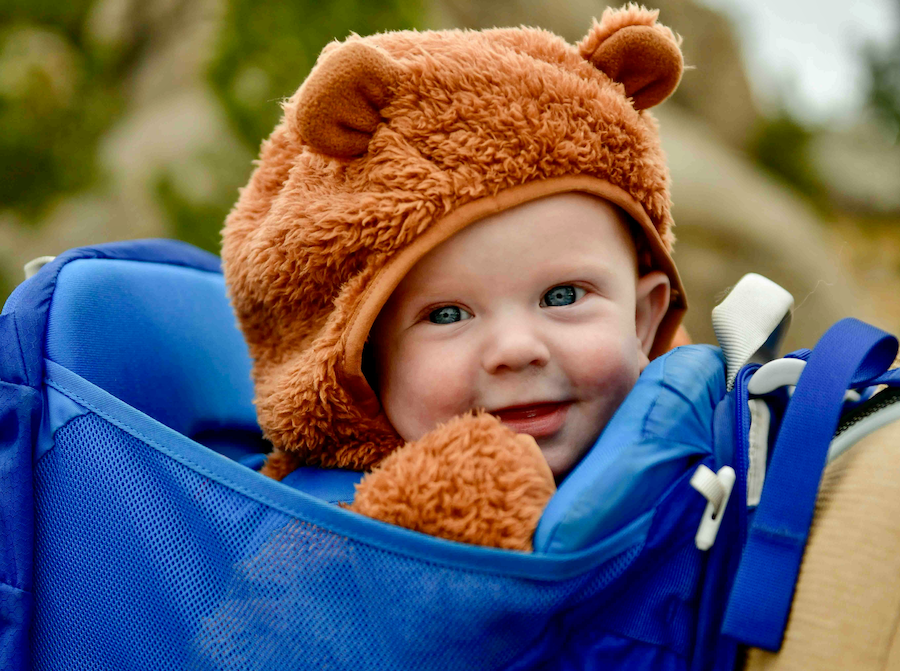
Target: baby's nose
point(515, 349)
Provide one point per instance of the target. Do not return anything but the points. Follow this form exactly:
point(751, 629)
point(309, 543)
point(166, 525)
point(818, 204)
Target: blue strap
point(891, 378)
point(850, 354)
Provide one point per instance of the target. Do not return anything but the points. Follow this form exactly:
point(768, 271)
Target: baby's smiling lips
point(538, 420)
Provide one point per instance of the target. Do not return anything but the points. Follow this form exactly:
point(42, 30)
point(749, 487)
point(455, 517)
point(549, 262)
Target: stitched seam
point(650, 411)
point(58, 428)
point(138, 434)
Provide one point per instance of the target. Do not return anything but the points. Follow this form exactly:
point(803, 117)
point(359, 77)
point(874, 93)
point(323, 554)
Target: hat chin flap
point(644, 58)
point(337, 109)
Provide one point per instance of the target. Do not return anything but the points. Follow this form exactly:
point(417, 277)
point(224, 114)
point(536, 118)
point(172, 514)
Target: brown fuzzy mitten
point(471, 480)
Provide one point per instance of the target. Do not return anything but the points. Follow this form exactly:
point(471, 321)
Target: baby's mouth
point(538, 420)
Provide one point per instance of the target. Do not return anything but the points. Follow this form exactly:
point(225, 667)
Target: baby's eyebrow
point(435, 293)
point(586, 269)
point(440, 288)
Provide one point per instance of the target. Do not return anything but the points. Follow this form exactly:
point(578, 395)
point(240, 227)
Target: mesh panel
point(142, 563)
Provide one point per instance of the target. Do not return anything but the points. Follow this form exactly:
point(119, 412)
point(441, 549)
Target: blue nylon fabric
point(233, 570)
point(890, 377)
point(23, 324)
point(248, 574)
point(664, 423)
point(731, 427)
point(327, 484)
point(334, 486)
point(710, 651)
point(30, 301)
point(850, 354)
point(172, 352)
point(597, 651)
point(295, 503)
point(19, 417)
point(59, 409)
point(20, 411)
point(741, 441)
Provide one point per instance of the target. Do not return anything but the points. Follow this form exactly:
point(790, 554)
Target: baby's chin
point(561, 456)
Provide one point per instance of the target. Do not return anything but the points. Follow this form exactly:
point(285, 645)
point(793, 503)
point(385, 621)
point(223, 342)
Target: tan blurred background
point(140, 118)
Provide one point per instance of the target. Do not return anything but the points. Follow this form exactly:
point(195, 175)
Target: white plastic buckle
point(716, 489)
point(774, 375)
point(784, 373)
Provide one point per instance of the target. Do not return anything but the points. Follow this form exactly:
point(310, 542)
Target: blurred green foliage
point(884, 91)
point(781, 144)
point(59, 91)
point(264, 51)
point(66, 67)
point(198, 223)
point(267, 48)
point(62, 85)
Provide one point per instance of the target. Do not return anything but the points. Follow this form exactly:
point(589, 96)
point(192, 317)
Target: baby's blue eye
point(448, 314)
point(564, 294)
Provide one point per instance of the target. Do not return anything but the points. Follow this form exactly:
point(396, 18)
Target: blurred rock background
point(140, 118)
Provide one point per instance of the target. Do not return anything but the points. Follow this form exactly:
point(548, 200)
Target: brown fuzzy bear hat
point(394, 143)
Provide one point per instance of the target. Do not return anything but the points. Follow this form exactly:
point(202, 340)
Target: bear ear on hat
point(631, 48)
point(337, 109)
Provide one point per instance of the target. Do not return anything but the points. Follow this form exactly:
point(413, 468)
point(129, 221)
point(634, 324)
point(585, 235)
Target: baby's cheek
point(435, 386)
point(609, 368)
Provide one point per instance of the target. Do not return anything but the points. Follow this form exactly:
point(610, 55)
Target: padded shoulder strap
point(850, 354)
point(29, 304)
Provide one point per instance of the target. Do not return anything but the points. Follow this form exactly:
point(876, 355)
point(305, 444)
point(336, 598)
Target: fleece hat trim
point(389, 277)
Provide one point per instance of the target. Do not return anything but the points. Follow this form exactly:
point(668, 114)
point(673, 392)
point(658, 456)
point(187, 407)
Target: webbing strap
point(850, 354)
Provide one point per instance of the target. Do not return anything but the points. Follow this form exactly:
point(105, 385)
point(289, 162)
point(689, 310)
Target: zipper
point(740, 456)
point(879, 401)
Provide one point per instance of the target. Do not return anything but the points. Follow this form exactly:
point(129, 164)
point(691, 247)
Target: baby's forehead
point(560, 230)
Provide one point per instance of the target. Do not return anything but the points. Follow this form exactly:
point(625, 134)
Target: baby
point(456, 244)
point(536, 314)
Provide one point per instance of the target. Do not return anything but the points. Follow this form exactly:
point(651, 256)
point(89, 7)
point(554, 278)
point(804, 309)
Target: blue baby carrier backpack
point(135, 532)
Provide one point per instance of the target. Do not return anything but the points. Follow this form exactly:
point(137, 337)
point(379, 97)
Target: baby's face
point(535, 314)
